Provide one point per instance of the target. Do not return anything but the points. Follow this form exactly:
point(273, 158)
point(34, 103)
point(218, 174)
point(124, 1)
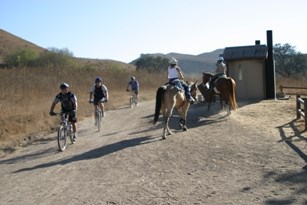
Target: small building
point(246, 65)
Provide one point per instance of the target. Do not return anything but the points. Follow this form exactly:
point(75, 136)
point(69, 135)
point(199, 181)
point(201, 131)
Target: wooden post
point(305, 111)
point(298, 107)
point(280, 87)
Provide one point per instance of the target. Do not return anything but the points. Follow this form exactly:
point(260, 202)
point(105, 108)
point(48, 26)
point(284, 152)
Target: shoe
point(74, 138)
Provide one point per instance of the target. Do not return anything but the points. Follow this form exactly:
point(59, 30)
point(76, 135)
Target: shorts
point(135, 91)
point(72, 116)
point(97, 101)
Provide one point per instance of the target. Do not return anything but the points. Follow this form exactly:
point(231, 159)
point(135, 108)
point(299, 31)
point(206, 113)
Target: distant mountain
point(190, 64)
point(193, 64)
point(10, 43)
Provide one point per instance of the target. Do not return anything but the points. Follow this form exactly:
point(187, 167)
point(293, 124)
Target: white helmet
point(221, 58)
point(173, 61)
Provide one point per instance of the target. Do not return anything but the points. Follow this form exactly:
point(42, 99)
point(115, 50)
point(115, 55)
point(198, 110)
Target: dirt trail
point(254, 156)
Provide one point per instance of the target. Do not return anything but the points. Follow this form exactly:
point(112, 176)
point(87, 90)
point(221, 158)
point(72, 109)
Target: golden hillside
point(10, 42)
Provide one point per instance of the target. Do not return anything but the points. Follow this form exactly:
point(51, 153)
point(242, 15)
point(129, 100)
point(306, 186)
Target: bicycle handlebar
point(55, 114)
point(102, 100)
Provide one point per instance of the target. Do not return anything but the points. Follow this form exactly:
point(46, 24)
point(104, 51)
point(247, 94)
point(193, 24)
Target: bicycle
point(133, 99)
point(65, 130)
point(98, 115)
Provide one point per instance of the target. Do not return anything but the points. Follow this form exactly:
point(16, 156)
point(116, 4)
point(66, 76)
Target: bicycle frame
point(65, 130)
point(133, 99)
point(98, 114)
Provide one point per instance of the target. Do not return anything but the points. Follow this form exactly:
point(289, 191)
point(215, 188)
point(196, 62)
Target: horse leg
point(182, 124)
point(228, 106)
point(166, 129)
point(221, 102)
point(183, 114)
point(210, 99)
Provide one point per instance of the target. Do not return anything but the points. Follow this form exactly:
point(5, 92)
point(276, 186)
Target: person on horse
point(220, 71)
point(175, 78)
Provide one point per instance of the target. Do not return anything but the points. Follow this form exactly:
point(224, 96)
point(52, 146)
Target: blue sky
point(123, 29)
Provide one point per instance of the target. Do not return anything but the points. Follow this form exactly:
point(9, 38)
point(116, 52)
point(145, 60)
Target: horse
point(169, 97)
point(225, 88)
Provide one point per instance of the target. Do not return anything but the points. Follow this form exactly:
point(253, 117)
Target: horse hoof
point(163, 137)
point(185, 129)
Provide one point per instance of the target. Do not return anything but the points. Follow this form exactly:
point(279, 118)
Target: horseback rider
point(174, 74)
point(220, 71)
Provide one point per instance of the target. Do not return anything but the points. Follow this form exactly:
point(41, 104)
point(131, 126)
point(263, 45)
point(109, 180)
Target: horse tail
point(232, 94)
point(159, 99)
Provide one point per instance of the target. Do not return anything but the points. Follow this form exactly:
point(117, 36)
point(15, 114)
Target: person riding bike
point(174, 75)
point(220, 71)
point(69, 106)
point(134, 84)
point(100, 93)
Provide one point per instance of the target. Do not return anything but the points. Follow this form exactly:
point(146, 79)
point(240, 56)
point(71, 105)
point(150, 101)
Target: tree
point(151, 63)
point(287, 60)
point(55, 57)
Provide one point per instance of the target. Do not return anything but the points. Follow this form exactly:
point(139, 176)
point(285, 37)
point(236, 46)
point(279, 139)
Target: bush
point(20, 58)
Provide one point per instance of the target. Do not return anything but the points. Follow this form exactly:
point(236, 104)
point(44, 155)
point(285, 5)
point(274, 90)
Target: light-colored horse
point(225, 88)
point(169, 97)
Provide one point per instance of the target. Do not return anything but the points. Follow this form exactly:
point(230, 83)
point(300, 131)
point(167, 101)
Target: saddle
point(177, 84)
point(213, 81)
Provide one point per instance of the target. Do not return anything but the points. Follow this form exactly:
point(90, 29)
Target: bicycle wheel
point(62, 138)
point(131, 102)
point(99, 115)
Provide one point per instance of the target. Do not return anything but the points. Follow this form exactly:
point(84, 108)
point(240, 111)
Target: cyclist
point(100, 93)
point(134, 84)
point(69, 106)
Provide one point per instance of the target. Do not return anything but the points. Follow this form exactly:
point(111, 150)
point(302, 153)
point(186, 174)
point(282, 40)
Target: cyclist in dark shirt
point(68, 104)
point(100, 93)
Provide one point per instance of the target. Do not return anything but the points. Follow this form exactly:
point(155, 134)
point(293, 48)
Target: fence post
point(298, 107)
point(305, 111)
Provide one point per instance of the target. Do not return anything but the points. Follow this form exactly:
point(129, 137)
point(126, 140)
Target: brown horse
point(169, 97)
point(225, 88)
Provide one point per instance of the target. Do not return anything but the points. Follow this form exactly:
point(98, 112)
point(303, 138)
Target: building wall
point(249, 78)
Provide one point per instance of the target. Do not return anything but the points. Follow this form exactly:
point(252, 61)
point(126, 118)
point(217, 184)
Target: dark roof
point(245, 52)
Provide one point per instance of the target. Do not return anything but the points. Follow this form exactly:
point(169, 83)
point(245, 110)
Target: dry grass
point(27, 93)
point(291, 82)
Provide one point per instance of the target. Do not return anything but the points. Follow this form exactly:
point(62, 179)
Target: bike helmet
point(132, 78)
point(221, 58)
point(64, 86)
point(98, 80)
point(173, 61)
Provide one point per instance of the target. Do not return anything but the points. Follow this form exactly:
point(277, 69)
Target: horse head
point(193, 89)
point(206, 77)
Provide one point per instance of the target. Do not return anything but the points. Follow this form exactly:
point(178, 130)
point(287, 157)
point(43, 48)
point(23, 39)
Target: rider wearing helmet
point(100, 93)
point(134, 84)
point(220, 71)
point(69, 105)
point(174, 74)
